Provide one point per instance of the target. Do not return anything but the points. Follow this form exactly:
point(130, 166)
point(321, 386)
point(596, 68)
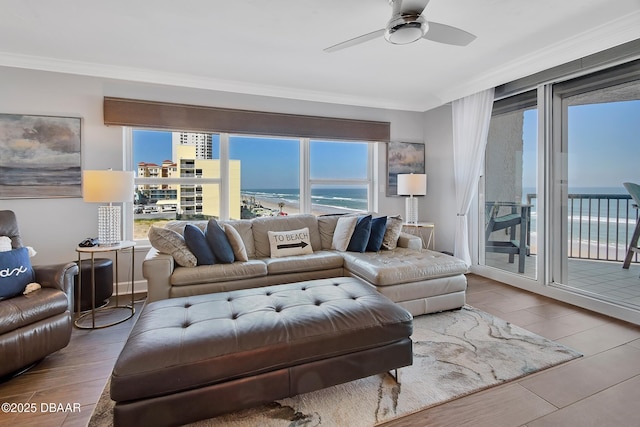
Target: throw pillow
point(287, 243)
point(198, 245)
point(172, 243)
point(378, 228)
point(342, 234)
point(5, 244)
point(219, 243)
point(235, 240)
point(360, 236)
point(392, 233)
point(15, 272)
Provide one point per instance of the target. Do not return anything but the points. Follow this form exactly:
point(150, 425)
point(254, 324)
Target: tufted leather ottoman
point(193, 358)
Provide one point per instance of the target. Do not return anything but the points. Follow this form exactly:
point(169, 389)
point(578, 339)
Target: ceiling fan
point(407, 25)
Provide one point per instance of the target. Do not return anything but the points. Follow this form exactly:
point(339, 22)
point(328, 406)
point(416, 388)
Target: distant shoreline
point(291, 207)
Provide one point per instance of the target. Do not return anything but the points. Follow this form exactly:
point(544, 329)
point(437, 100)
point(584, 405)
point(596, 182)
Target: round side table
point(125, 246)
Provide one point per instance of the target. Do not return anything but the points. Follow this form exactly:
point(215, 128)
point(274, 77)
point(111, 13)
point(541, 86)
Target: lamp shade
point(107, 186)
point(412, 184)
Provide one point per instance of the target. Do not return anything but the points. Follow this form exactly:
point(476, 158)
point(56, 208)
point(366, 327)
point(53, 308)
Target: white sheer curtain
point(471, 117)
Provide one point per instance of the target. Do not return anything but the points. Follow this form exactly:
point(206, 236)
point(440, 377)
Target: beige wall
point(55, 226)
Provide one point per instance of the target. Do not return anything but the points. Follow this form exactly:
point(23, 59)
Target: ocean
point(350, 198)
point(601, 217)
point(11, 176)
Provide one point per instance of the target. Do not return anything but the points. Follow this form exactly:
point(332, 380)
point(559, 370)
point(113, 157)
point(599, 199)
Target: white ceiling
point(275, 47)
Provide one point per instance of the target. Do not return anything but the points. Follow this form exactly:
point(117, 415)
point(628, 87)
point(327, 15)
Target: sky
point(267, 166)
point(604, 145)
point(604, 148)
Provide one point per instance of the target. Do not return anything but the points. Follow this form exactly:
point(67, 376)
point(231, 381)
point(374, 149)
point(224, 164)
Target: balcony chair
point(35, 325)
point(510, 222)
point(634, 192)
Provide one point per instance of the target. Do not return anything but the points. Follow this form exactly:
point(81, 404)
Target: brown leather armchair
point(35, 325)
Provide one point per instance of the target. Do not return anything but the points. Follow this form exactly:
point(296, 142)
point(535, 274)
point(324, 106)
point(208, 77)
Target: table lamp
point(412, 184)
point(108, 186)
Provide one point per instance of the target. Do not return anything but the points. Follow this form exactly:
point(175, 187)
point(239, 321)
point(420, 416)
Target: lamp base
point(411, 210)
point(109, 225)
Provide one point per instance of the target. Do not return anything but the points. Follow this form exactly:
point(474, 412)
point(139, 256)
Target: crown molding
point(603, 37)
point(195, 82)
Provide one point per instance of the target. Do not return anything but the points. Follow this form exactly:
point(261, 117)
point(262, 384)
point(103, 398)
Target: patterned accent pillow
point(392, 233)
point(288, 243)
point(172, 243)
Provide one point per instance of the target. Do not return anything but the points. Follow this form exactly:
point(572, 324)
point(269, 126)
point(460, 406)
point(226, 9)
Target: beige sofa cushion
point(326, 227)
point(322, 260)
point(218, 273)
point(261, 227)
point(402, 265)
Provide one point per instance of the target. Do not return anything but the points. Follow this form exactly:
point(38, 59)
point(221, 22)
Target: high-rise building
point(202, 142)
point(203, 199)
point(153, 193)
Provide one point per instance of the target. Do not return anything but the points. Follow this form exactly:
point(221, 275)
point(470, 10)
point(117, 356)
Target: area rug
point(456, 353)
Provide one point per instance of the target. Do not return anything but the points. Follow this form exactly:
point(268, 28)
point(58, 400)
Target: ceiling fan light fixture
point(406, 29)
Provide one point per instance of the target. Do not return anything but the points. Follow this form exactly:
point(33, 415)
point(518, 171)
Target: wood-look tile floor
point(600, 389)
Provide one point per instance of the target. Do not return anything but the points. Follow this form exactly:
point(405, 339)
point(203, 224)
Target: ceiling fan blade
point(447, 34)
point(355, 41)
point(409, 6)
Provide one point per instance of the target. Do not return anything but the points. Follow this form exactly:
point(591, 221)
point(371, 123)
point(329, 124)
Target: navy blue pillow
point(378, 228)
point(219, 243)
point(197, 244)
point(360, 236)
point(15, 272)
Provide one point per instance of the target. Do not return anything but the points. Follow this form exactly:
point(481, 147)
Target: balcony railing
point(600, 226)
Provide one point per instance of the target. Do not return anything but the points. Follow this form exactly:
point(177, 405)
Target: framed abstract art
point(403, 157)
point(39, 156)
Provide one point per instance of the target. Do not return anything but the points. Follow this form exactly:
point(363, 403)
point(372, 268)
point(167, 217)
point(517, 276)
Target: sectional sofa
point(420, 280)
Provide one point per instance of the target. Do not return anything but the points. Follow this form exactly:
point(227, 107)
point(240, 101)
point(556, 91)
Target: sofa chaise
point(422, 281)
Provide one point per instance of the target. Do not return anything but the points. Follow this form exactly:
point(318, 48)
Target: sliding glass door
point(598, 125)
point(509, 230)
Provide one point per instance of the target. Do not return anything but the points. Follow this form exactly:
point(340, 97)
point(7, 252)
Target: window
point(339, 176)
point(186, 175)
point(177, 176)
point(269, 175)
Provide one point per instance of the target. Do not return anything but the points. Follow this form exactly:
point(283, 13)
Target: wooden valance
point(181, 117)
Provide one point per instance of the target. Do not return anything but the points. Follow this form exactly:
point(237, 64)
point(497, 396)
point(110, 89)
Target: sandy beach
point(291, 208)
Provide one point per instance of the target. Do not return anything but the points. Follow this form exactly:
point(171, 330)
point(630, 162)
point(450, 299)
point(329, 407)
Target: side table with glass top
point(421, 229)
point(80, 321)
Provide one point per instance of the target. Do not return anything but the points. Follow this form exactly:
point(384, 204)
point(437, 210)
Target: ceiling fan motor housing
point(405, 29)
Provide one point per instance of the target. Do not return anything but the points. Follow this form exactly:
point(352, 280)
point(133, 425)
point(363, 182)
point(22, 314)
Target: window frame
point(224, 183)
